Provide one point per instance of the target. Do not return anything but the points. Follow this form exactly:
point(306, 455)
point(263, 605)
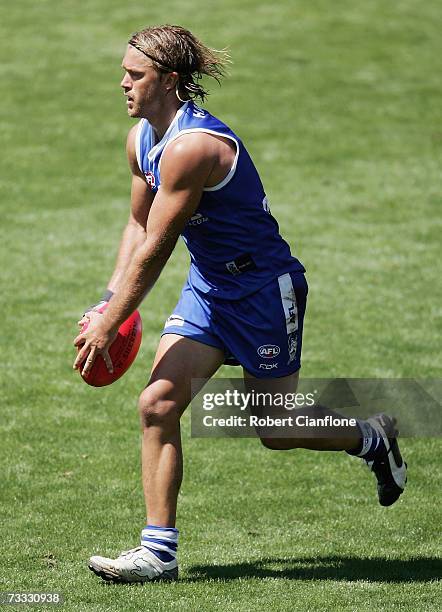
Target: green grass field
point(340, 106)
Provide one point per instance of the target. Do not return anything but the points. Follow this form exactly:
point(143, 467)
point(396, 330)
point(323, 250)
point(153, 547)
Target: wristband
point(106, 295)
point(104, 299)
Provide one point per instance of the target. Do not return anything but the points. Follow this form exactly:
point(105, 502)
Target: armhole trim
point(138, 143)
point(232, 170)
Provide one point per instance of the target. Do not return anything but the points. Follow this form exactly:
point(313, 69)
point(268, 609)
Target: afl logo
point(268, 351)
point(150, 179)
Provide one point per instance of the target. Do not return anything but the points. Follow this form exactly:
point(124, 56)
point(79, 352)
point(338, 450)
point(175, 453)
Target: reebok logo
point(268, 366)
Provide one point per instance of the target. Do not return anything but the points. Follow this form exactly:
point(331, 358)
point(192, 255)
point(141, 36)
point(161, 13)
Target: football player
point(244, 299)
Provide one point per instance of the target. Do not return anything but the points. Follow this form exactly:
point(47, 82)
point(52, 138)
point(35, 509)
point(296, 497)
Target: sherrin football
point(122, 351)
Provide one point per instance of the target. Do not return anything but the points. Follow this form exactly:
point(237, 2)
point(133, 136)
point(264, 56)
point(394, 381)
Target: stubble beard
point(134, 109)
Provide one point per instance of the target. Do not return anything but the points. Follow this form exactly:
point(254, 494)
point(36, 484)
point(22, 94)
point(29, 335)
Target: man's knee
point(155, 410)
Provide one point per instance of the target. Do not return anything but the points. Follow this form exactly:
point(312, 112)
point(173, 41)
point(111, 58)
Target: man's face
point(142, 84)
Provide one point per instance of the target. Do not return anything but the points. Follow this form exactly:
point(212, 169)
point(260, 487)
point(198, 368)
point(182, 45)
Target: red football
point(123, 351)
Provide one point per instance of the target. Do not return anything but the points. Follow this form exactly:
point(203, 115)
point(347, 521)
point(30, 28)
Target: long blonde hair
point(172, 48)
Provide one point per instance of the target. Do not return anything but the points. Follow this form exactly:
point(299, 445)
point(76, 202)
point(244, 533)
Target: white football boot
point(136, 565)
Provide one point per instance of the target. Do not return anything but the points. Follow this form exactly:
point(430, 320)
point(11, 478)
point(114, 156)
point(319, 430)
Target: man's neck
point(161, 120)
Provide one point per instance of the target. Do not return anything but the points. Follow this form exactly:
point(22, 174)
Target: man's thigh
point(177, 362)
point(285, 384)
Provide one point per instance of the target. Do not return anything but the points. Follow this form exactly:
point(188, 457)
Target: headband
point(151, 57)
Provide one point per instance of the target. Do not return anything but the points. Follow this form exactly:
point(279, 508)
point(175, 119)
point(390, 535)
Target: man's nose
point(126, 82)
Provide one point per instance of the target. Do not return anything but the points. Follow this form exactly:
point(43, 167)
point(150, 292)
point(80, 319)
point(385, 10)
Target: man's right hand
point(90, 315)
point(93, 340)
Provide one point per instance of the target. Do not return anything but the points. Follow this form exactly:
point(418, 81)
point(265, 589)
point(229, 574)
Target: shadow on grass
point(376, 569)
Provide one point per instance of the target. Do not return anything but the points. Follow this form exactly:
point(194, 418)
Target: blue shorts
point(261, 332)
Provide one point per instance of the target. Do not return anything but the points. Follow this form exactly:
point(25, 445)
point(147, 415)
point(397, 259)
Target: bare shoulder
point(189, 145)
point(198, 152)
point(187, 154)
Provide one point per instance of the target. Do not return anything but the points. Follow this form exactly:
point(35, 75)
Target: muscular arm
point(186, 167)
point(134, 233)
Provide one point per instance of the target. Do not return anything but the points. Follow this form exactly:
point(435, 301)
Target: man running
point(192, 176)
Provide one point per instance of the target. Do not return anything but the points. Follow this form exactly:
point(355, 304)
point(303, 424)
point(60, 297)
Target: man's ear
point(171, 80)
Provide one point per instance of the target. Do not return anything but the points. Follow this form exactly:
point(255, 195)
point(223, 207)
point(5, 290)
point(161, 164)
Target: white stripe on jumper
point(138, 143)
point(288, 299)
